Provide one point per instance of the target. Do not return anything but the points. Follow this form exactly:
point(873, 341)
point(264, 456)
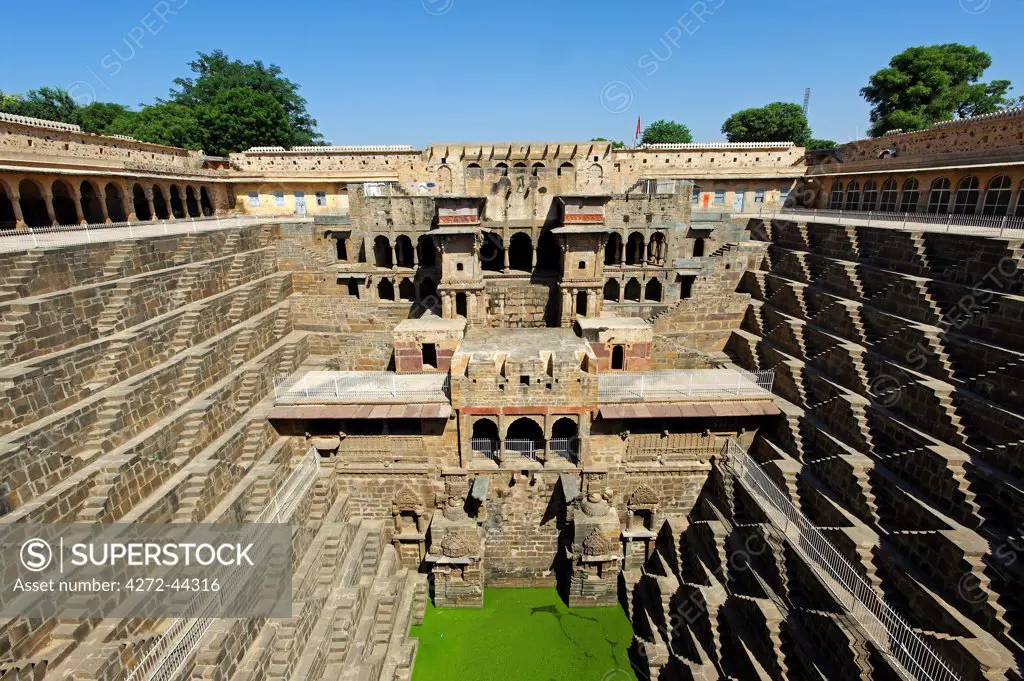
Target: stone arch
point(618, 358)
point(140, 203)
point(177, 206)
point(535, 168)
point(656, 248)
point(115, 203)
point(635, 249)
point(524, 436)
point(8, 218)
point(492, 252)
point(548, 252)
point(997, 196)
point(967, 194)
point(385, 290)
point(938, 195)
point(613, 249)
point(653, 290)
point(611, 290)
point(565, 427)
point(444, 179)
point(566, 169)
point(404, 251)
point(632, 290)
point(64, 210)
point(503, 167)
point(92, 206)
point(160, 204)
point(565, 437)
point(406, 289)
point(911, 196)
point(191, 203)
point(520, 252)
point(205, 203)
point(34, 210)
point(427, 251)
point(485, 428)
point(382, 251)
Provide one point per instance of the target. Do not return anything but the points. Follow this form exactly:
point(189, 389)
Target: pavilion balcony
point(360, 387)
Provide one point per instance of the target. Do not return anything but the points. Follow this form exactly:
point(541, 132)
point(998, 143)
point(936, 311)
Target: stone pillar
point(128, 203)
point(505, 253)
point(148, 191)
point(394, 255)
point(76, 195)
point(19, 218)
point(446, 306)
point(51, 214)
point(167, 199)
point(501, 438)
point(547, 437)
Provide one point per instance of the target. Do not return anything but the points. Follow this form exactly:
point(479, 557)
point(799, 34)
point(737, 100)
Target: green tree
point(240, 118)
point(776, 122)
point(216, 74)
point(171, 124)
point(98, 116)
point(615, 145)
point(925, 85)
point(815, 144)
point(49, 103)
point(9, 103)
point(666, 132)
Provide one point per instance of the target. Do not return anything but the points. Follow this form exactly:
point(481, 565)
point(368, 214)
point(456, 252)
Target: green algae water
point(523, 635)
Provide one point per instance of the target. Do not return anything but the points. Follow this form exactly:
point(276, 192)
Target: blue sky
point(422, 71)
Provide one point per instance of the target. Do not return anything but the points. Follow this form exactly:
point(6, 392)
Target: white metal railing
point(954, 223)
point(682, 385)
point(565, 447)
point(359, 386)
point(167, 656)
point(523, 447)
point(70, 235)
point(887, 629)
point(486, 446)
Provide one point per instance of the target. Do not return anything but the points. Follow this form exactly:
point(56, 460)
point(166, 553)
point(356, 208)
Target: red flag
point(636, 135)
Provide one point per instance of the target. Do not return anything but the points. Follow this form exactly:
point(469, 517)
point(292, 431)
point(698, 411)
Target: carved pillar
point(76, 194)
point(170, 202)
point(47, 193)
point(148, 191)
point(128, 203)
point(394, 254)
point(19, 218)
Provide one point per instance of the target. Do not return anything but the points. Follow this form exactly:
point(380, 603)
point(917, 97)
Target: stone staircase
point(16, 279)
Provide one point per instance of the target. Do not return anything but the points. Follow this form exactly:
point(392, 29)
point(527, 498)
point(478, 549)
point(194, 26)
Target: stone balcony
point(361, 394)
point(682, 393)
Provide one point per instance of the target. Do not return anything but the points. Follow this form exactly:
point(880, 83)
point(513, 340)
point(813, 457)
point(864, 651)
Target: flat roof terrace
point(318, 394)
point(686, 393)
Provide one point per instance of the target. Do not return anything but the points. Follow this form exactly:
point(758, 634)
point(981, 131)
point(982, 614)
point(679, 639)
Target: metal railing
point(71, 235)
point(360, 386)
point(681, 385)
point(486, 446)
point(954, 223)
point(171, 651)
point(566, 447)
point(523, 447)
point(880, 622)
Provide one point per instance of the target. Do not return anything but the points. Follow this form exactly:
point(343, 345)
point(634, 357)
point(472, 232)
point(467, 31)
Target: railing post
point(394, 386)
point(305, 387)
point(35, 242)
point(949, 220)
point(1002, 225)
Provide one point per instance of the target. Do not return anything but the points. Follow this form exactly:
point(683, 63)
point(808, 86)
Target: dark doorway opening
point(429, 355)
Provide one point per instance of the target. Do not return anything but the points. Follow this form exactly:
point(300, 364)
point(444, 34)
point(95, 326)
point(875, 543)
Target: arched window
point(611, 290)
point(403, 251)
point(503, 167)
point(870, 196)
point(835, 200)
point(852, 196)
point(618, 358)
point(997, 196)
point(632, 290)
point(485, 437)
point(520, 252)
point(64, 212)
point(652, 291)
point(524, 438)
point(887, 200)
point(656, 248)
point(548, 253)
point(7, 218)
point(564, 438)
point(1020, 200)
point(177, 207)
point(967, 196)
point(427, 251)
point(938, 196)
point(33, 206)
point(911, 196)
point(406, 290)
point(535, 168)
point(139, 203)
point(382, 251)
point(205, 203)
point(635, 249)
point(159, 203)
point(565, 169)
point(386, 290)
point(115, 203)
point(613, 249)
point(492, 252)
point(191, 202)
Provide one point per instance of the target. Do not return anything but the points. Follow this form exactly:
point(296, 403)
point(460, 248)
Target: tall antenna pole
point(807, 99)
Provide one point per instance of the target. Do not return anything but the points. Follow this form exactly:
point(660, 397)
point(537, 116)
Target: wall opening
point(461, 306)
point(618, 358)
point(428, 353)
point(581, 303)
point(686, 287)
